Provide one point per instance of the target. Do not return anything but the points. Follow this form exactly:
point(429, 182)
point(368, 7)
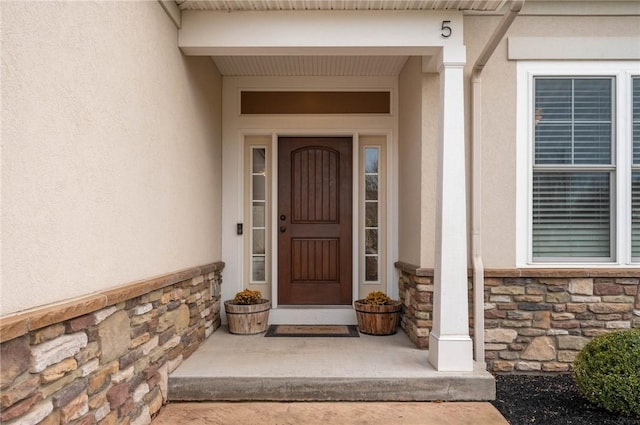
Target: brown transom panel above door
point(315, 221)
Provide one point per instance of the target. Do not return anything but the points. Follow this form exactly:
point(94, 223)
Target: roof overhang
point(307, 5)
point(317, 43)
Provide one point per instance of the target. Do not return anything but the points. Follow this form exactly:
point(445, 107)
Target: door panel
point(314, 221)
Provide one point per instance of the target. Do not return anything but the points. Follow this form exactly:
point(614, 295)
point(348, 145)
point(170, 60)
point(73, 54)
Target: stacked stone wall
point(416, 294)
point(540, 324)
point(536, 320)
point(76, 364)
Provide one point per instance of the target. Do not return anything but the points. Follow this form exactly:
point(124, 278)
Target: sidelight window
point(258, 217)
point(371, 213)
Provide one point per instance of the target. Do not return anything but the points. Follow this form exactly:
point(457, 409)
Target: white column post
point(450, 347)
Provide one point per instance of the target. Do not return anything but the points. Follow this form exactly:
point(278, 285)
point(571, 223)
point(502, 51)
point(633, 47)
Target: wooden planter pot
point(378, 319)
point(247, 319)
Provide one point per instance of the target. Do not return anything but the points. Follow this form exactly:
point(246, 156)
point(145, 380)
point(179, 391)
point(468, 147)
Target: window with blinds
point(573, 170)
point(635, 173)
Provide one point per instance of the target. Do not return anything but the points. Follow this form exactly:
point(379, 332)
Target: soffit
point(278, 5)
point(324, 66)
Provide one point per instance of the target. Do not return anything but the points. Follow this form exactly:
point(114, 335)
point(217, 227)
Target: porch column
point(450, 347)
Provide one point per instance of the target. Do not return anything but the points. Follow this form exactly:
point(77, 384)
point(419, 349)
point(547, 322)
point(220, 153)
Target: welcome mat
point(326, 331)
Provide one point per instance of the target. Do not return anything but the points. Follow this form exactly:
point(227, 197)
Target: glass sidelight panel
point(258, 211)
point(258, 217)
point(371, 268)
point(258, 273)
point(371, 213)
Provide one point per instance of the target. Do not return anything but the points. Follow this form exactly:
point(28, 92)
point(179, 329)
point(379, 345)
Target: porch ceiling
point(324, 66)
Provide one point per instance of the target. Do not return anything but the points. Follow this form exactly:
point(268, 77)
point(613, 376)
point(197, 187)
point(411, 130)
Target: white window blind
point(573, 170)
point(635, 174)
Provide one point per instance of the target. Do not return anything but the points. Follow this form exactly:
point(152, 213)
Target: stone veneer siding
point(105, 358)
point(416, 293)
point(539, 320)
point(536, 320)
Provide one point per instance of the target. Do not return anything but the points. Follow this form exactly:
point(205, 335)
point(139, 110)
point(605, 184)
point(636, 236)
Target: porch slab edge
point(477, 386)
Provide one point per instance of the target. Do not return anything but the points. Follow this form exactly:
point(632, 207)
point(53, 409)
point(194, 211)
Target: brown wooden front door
point(314, 220)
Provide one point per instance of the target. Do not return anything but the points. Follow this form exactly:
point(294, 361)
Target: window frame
point(610, 169)
point(252, 225)
point(379, 225)
point(635, 167)
point(378, 142)
point(622, 73)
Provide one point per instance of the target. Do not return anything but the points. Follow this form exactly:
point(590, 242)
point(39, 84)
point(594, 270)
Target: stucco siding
point(410, 166)
point(499, 115)
point(111, 145)
point(430, 148)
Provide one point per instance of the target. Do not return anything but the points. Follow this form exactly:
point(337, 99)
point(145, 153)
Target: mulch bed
point(549, 400)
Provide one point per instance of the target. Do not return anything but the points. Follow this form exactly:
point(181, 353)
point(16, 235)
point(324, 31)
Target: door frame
point(355, 222)
point(346, 217)
point(237, 127)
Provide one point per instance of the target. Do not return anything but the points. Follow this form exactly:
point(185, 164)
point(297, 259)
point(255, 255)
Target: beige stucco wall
point(110, 150)
point(419, 97)
point(409, 161)
point(429, 178)
point(499, 115)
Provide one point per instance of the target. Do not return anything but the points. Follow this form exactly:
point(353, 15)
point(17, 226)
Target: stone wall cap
point(18, 324)
point(565, 272)
point(412, 269)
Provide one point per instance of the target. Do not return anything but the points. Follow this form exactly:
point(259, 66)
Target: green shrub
point(607, 371)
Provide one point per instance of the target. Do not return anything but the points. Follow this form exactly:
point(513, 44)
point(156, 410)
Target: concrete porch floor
point(369, 368)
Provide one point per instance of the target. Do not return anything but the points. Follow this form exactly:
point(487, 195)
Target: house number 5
point(446, 29)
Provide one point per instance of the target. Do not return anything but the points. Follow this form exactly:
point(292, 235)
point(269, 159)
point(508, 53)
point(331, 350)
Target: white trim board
point(573, 48)
point(361, 32)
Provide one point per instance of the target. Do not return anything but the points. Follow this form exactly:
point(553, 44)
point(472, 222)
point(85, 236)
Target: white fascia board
point(318, 32)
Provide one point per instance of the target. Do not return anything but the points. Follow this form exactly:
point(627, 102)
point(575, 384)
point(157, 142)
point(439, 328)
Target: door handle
point(283, 229)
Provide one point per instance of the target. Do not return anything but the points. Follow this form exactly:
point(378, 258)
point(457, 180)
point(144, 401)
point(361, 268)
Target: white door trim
point(237, 127)
point(310, 315)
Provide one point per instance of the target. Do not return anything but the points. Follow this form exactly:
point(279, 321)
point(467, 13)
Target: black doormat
point(324, 331)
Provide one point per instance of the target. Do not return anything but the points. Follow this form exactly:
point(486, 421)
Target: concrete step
point(331, 389)
point(254, 368)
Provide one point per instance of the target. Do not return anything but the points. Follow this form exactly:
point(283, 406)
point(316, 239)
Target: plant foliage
point(607, 371)
point(248, 296)
point(377, 298)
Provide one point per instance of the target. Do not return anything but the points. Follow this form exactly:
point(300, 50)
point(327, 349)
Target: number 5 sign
point(446, 29)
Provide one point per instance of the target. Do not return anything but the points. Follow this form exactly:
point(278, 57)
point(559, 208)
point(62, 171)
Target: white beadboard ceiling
point(323, 65)
point(245, 5)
